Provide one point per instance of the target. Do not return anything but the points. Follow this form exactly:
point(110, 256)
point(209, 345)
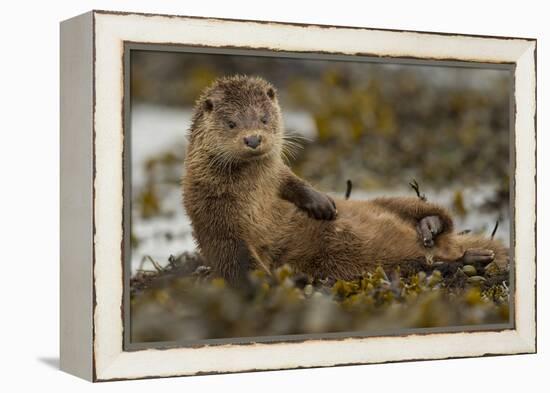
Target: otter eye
point(231, 124)
point(264, 119)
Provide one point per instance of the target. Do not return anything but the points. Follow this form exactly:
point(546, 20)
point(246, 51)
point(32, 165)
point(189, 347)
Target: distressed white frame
point(109, 360)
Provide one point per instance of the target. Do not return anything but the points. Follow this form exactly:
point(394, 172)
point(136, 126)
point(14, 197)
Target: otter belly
point(360, 238)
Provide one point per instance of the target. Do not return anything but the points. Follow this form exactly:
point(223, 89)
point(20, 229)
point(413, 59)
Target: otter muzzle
point(252, 141)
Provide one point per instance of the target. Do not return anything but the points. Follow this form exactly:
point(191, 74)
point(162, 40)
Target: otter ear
point(208, 105)
point(271, 93)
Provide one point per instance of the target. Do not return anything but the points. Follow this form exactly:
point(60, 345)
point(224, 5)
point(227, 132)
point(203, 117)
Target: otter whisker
point(220, 160)
point(294, 144)
point(290, 149)
point(216, 160)
point(229, 164)
point(285, 156)
point(292, 136)
point(288, 152)
point(226, 162)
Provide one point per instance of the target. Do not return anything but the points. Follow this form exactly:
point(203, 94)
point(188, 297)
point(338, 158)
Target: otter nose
point(252, 141)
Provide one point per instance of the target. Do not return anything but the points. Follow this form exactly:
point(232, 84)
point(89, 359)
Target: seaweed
point(185, 301)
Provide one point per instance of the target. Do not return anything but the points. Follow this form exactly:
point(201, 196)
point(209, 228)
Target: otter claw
point(428, 243)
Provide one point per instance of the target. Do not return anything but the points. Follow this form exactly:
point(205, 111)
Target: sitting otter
point(249, 210)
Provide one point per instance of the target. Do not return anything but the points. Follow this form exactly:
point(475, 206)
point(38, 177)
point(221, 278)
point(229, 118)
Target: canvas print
point(278, 197)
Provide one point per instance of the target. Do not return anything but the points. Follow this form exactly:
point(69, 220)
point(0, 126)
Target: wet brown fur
point(251, 211)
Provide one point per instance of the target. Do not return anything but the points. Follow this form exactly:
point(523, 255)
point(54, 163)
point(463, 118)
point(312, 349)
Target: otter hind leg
point(473, 250)
point(478, 256)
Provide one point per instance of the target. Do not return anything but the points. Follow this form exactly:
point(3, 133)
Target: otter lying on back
point(249, 210)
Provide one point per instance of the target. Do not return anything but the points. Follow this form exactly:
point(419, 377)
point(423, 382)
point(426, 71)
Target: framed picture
point(245, 195)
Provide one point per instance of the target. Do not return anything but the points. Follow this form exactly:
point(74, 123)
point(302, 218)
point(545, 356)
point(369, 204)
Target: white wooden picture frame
point(92, 194)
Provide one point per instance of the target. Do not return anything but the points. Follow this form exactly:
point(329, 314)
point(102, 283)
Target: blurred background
point(379, 125)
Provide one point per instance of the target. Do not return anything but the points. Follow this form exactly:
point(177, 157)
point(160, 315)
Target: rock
point(476, 280)
point(469, 270)
point(434, 278)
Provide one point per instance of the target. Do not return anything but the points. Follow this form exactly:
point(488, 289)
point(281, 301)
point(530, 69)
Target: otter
point(249, 210)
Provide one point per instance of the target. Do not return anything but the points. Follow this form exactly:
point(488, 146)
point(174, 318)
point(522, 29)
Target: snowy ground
point(156, 130)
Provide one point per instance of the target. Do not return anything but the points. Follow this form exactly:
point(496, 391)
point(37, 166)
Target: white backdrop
point(29, 196)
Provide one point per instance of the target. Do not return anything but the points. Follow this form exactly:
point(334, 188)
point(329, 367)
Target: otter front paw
point(319, 206)
point(428, 228)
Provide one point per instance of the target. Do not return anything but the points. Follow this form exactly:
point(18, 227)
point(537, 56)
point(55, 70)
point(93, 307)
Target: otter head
point(238, 120)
